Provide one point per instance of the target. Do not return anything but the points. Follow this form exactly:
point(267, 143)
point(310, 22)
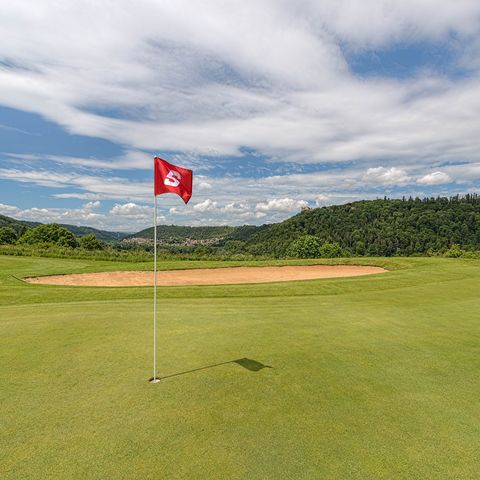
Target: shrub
point(8, 235)
point(360, 248)
point(306, 246)
point(234, 246)
point(331, 250)
point(455, 252)
point(90, 242)
point(51, 233)
point(49, 250)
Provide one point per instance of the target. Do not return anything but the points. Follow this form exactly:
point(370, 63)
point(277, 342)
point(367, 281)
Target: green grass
point(373, 377)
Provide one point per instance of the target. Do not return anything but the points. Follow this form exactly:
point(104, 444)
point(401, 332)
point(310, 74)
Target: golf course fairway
point(371, 377)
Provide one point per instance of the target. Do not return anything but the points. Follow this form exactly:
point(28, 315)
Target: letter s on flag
point(173, 178)
point(169, 178)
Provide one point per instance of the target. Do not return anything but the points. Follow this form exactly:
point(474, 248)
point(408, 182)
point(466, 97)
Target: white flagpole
point(155, 379)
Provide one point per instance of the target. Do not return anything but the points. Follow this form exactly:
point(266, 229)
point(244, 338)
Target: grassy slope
point(373, 377)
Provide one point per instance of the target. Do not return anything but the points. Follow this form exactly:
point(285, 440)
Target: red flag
point(169, 178)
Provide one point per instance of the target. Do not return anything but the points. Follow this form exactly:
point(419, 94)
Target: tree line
point(384, 227)
point(49, 234)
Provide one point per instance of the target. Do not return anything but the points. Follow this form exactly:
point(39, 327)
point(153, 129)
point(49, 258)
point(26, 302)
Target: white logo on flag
point(173, 178)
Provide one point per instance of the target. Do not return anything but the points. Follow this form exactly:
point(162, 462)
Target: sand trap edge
point(207, 276)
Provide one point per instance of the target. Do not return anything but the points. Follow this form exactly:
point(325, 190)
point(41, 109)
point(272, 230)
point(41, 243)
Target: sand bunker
point(207, 276)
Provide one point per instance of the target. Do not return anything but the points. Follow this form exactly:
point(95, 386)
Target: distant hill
point(104, 235)
point(21, 226)
point(371, 227)
point(18, 225)
point(380, 227)
point(175, 234)
point(244, 232)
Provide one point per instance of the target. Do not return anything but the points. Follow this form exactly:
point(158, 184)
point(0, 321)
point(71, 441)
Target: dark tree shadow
point(247, 363)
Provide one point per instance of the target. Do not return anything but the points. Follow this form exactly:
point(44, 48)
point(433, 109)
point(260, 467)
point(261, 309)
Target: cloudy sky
point(274, 104)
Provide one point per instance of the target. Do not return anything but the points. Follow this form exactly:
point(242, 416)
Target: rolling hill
point(104, 235)
point(380, 227)
point(18, 225)
point(371, 227)
point(175, 234)
point(21, 226)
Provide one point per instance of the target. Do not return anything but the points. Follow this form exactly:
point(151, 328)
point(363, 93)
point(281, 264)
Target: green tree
point(331, 250)
point(50, 233)
point(384, 227)
point(8, 235)
point(306, 246)
point(455, 252)
point(360, 248)
point(234, 246)
point(90, 242)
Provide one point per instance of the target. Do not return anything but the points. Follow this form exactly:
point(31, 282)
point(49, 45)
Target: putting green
point(369, 377)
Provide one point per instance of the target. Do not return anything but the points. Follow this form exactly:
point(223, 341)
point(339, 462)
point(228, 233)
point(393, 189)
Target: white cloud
point(375, 22)
point(204, 186)
point(8, 210)
point(205, 206)
point(39, 177)
point(386, 176)
point(179, 73)
point(199, 80)
point(131, 210)
point(281, 205)
point(465, 172)
point(81, 196)
point(83, 215)
point(234, 207)
point(129, 160)
point(99, 186)
point(322, 200)
point(125, 218)
point(434, 178)
point(91, 205)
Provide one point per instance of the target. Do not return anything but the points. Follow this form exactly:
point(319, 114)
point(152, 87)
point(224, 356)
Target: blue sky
point(274, 105)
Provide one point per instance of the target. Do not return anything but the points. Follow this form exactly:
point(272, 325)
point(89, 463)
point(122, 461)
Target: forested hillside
point(21, 226)
point(104, 235)
point(380, 227)
point(178, 234)
point(374, 228)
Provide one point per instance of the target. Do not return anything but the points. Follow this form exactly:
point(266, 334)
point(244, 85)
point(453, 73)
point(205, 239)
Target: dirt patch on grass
point(208, 276)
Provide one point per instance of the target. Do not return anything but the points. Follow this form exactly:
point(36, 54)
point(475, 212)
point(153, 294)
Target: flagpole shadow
point(247, 363)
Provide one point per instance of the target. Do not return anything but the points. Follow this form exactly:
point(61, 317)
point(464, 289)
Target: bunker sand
point(207, 276)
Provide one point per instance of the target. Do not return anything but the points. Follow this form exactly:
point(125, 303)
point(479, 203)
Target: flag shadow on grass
point(246, 363)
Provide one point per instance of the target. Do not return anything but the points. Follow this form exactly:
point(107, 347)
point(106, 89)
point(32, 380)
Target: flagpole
point(167, 178)
point(154, 378)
